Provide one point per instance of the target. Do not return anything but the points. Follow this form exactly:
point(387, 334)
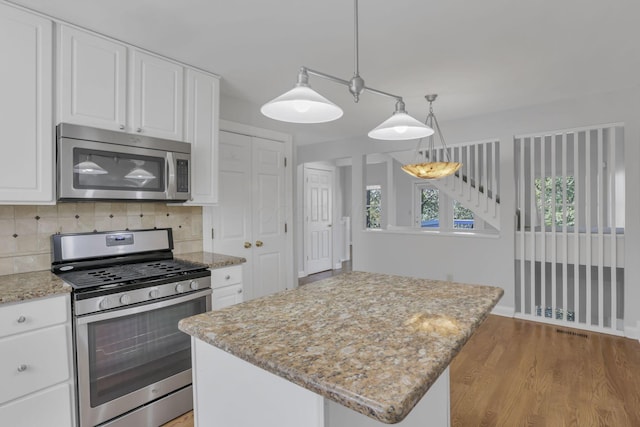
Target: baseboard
point(503, 310)
point(633, 332)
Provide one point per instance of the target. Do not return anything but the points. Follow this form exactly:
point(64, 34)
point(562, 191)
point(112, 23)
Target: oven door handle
point(96, 317)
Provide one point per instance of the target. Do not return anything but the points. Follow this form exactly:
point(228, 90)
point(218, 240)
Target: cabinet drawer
point(52, 407)
point(226, 276)
point(30, 315)
point(226, 296)
point(33, 361)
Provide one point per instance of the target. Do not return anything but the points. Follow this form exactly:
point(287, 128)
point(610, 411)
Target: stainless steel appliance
point(133, 365)
point(107, 165)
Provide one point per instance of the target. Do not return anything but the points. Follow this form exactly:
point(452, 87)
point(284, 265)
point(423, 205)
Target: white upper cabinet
point(110, 85)
point(92, 80)
point(26, 147)
point(201, 112)
point(157, 101)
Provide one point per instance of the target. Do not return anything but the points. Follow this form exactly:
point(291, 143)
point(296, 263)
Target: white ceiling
point(479, 55)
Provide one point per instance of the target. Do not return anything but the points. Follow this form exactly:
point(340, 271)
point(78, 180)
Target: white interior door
point(232, 216)
point(269, 207)
point(249, 220)
point(318, 219)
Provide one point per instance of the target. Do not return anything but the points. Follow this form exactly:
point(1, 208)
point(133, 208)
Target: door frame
point(287, 140)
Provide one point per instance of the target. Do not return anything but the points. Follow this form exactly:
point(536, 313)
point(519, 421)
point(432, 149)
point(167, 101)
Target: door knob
point(259, 243)
point(328, 225)
point(247, 245)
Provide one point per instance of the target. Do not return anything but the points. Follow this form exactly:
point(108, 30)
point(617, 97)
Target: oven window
point(131, 352)
point(106, 170)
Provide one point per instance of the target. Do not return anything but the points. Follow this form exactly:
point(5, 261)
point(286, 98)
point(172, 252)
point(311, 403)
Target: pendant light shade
point(432, 170)
point(400, 126)
point(302, 105)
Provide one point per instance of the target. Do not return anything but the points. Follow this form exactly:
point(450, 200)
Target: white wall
point(487, 260)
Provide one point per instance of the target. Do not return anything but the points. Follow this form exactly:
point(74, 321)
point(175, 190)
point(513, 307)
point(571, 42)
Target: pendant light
point(432, 169)
point(302, 104)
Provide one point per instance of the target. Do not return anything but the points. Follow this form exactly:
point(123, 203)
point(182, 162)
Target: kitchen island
point(377, 344)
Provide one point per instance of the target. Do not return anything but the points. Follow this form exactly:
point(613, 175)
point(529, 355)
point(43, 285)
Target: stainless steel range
point(133, 365)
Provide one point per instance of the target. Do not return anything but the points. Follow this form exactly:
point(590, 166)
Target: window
point(429, 207)
point(462, 217)
point(544, 199)
point(373, 207)
point(436, 210)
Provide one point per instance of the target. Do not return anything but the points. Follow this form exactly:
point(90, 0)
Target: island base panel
point(231, 392)
point(431, 411)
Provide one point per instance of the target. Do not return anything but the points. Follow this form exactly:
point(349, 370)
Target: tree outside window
point(429, 207)
point(462, 217)
point(544, 199)
point(374, 207)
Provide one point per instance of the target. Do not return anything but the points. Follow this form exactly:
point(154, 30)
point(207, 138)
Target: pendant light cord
point(355, 39)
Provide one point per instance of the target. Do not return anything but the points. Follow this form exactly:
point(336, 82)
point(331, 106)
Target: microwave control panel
point(182, 176)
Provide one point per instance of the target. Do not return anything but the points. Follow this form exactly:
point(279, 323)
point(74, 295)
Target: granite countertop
point(212, 260)
point(26, 286)
point(374, 343)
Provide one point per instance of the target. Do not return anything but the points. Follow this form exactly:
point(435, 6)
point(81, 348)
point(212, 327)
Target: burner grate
point(128, 273)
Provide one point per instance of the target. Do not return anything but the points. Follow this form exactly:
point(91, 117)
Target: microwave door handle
point(170, 178)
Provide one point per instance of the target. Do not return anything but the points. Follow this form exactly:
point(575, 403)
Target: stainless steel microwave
point(100, 164)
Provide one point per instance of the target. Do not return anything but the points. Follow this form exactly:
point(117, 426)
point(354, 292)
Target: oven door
point(98, 170)
point(127, 358)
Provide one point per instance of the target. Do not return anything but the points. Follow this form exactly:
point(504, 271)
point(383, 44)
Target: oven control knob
point(125, 299)
point(179, 288)
point(107, 303)
point(194, 285)
point(154, 293)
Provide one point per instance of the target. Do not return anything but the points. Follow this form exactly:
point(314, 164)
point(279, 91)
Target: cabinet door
point(26, 163)
point(202, 132)
point(92, 80)
point(224, 297)
point(157, 96)
point(52, 407)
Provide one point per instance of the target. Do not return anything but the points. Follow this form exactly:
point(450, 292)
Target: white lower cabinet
point(227, 287)
point(37, 369)
point(50, 407)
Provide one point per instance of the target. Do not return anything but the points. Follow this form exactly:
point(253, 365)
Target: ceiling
point(479, 56)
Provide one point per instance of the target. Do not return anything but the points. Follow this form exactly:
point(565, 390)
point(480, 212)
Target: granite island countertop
point(211, 259)
point(374, 343)
point(25, 286)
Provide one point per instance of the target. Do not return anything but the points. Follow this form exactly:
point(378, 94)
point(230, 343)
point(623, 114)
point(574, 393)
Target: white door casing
point(318, 184)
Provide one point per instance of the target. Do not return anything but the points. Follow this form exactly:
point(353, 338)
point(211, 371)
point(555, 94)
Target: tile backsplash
point(25, 231)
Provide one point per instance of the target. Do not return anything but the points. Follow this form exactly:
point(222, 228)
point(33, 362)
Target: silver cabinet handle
point(227, 277)
point(22, 368)
point(139, 130)
point(121, 127)
point(22, 319)
point(239, 291)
